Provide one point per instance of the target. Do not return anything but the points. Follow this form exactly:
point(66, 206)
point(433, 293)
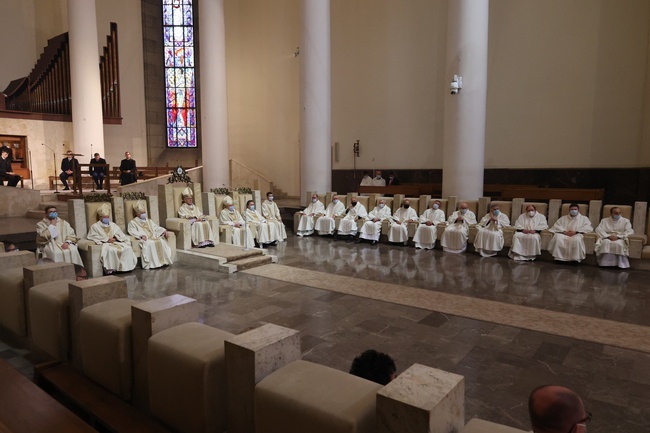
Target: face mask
point(463, 211)
point(435, 206)
point(573, 212)
point(270, 198)
point(354, 203)
point(406, 206)
point(231, 208)
point(105, 221)
point(531, 213)
point(616, 217)
point(378, 176)
point(314, 200)
point(496, 212)
point(143, 216)
point(53, 215)
point(252, 207)
point(381, 205)
point(335, 201)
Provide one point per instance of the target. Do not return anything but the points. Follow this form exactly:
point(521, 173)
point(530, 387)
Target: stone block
point(119, 218)
point(639, 217)
point(554, 206)
point(152, 204)
point(17, 260)
point(250, 357)
point(39, 274)
point(595, 212)
point(422, 400)
point(77, 217)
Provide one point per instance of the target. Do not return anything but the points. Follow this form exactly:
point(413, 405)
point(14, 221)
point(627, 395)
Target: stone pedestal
point(250, 357)
point(86, 293)
point(147, 319)
point(422, 400)
point(554, 206)
point(39, 274)
point(16, 260)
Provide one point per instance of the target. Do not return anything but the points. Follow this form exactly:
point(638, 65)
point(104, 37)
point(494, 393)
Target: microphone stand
point(56, 183)
point(31, 172)
point(91, 169)
point(246, 231)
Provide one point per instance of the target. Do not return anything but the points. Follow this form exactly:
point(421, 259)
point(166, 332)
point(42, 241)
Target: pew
point(567, 194)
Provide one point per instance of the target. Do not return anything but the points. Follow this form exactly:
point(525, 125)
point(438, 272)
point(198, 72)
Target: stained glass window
point(178, 34)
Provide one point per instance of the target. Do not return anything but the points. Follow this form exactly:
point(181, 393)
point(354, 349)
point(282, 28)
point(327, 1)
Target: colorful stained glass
point(180, 96)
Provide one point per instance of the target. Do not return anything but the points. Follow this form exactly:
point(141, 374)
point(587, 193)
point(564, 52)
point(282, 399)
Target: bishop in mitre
point(151, 237)
point(202, 235)
point(117, 254)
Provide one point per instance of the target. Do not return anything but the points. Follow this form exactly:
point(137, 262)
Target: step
point(251, 262)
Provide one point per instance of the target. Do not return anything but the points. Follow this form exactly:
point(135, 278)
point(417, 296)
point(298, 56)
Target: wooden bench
point(566, 194)
point(144, 173)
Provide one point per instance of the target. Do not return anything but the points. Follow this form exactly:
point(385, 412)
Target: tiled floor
point(501, 364)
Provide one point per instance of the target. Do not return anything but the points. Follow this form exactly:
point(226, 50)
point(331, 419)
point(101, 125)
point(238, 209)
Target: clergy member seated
point(117, 254)
point(378, 180)
point(612, 246)
point(426, 234)
point(231, 217)
point(155, 252)
point(348, 226)
point(454, 238)
point(202, 235)
point(568, 244)
point(128, 170)
point(271, 212)
point(527, 241)
point(325, 225)
point(308, 216)
point(56, 238)
point(374, 366)
point(366, 180)
point(556, 409)
point(371, 229)
point(398, 231)
point(489, 239)
point(259, 226)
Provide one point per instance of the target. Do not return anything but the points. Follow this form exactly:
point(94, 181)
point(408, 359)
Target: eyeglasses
point(586, 420)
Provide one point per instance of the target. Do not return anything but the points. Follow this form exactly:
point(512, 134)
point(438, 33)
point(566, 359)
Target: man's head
point(188, 200)
point(269, 196)
point(140, 209)
point(97, 156)
point(127, 155)
point(366, 174)
point(556, 409)
point(574, 209)
point(392, 175)
point(250, 204)
point(531, 208)
point(377, 173)
point(335, 199)
point(462, 206)
point(615, 212)
point(406, 203)
point(382, 202)
point(11, 248)
point(80, 272)
point(4, 154)
point(314, 198)
point(374, 366)
point(69, 153)
point(494, 209)
point(353, 201)
point(104, 213)
point(436, 204)
point(50, 212)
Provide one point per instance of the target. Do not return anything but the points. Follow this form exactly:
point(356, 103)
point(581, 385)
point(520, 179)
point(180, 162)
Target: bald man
point(556, 409)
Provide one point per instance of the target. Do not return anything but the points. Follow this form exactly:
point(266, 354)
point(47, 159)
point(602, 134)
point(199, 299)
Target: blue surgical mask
point(335, 201)
point(463, 211)
point(252, 207)
point(435, 206)
point(616, 217)
point(381, 205)
point(573, 212)
point(231, 208)
point(53, 215)
point(143, 216)
point(496, 212)
point(106, 221)
point(270, 198)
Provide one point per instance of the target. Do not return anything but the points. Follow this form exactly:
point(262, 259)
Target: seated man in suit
point(612, 246)
point(56, 238)
point(489, 239)
point(69, 168)
point(128, 170)
point(98, 173)
point(117, 254)
point(6, 171)
point(568, 243)
point(202, 235)
point(454, 238)
point(155, 252)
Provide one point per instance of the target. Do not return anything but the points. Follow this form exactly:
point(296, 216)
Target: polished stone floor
point(501, 364)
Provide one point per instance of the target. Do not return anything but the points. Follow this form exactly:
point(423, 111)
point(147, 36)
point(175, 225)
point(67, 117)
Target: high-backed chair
point(635, 241)
point(589, 238)
point(542, 208)
point(89, 251)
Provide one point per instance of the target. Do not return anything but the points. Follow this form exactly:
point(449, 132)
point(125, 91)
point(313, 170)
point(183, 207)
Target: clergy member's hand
point(65, 246)
point(429, 223)
point(143, 237)
point(165, 234)
point(111, 240)
point(613, 238)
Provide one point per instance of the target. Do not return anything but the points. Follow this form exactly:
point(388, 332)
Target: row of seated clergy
point(265, 227)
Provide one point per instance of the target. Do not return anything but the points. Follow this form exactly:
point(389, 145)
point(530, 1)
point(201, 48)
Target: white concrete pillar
point(87, 117)
point(214, 100)
point(315, 98)
point(464, 136)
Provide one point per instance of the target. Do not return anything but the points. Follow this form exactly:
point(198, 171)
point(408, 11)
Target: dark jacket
point(69, 164)
point(127, 178)
point(97, 169)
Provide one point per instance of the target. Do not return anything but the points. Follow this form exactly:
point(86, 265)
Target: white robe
point(155, 252)
point(348, 225)
point(201, 230)
point(569, 248)
point(308, 217)
point(230, 218)
point(527, 246)
point(116, 256)
point(454, 238)
point(259, 227)
point(489, 239)
point(378, 181)
point(371, 230)
point(366, 181)
point(325, 225)
point(271, 212)
point(613, 253)
point(50, 238)
point(426, 235)
point(399, 232)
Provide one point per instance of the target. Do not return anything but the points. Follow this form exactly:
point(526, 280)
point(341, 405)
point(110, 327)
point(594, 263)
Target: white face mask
point(531, 213)
point(435, 206)
point(573, 212)
point(270, 198)
point(314, 200)
point(463, 211)
point(335, 201)
point(143, 216)
point(616, 217)
point(381, 205)
point(252, 207)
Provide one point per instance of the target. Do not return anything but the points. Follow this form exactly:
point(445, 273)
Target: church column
point(214, 100)
point(87, 117)
point(315, 98)
point(464, 136)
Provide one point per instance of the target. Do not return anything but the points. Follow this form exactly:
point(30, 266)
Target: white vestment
point(454, 238)
point(378, 181)
point(348, 225)
point(51, 237)
point(527, 246)
point(155, 252)
point(271, 212)
point(116, 256)
point(489, 239)
point(308, 216)
point(201, 230)
point(613, 253)
point(259, 227)
point(230, 218)
point(371, 230)
point(569, 248)
point(426, 235)
point(398, 231)
point(366, 181)
point(325, 225)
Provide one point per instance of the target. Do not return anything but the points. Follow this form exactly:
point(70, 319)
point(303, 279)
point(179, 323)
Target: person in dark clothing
point(69, 166)
point(392, 179)
point(128, 171)
point(374, 366)
point(6, 171)
point(98, 173)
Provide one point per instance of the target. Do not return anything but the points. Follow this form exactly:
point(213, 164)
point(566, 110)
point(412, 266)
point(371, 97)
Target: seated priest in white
point(426, 234)
point(454, 238)
point(612, 246)
point(371, 229)
point(398, 231)
point(308, 216)
point(117, 254)
point(489, 239)
point(258, 225)
point(366, 180)
point(527, 241)
point(202, 235)
point(325, 225)
point(378, 180)
point(231, 217)
point(355, 211)
point(155, 253)
point(271, 212)
point(568, 244)
point(56, 238)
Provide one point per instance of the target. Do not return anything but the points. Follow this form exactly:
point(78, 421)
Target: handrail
point(257, 173)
